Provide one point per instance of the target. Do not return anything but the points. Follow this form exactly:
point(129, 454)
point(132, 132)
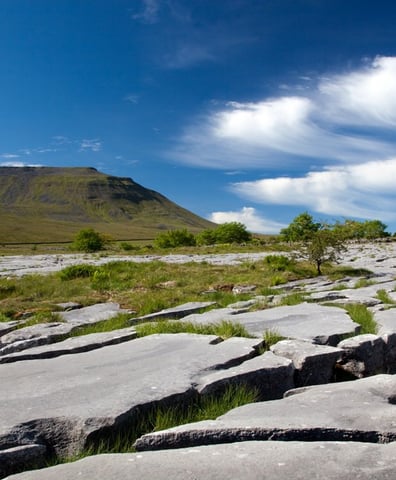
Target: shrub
point(175, 238)
point(278, 263)
point(77, 271)
point(232, 232)
point(88, 241)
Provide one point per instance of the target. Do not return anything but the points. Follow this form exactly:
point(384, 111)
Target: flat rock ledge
point(361, 411)
point(248, 461)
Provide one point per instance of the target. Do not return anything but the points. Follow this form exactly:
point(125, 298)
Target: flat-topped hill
point(43, 204)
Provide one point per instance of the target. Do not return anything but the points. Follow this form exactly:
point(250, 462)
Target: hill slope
point(40, 204)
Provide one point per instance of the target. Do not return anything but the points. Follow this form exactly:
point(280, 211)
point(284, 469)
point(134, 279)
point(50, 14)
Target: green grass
point(188, 410)
point(363, 282)
point(384, 297)
point(271, 337)
point(293, 299)
point(224, 329)
point(360, 314)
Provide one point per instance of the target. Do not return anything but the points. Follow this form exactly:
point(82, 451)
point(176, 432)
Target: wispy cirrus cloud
point(343, 124)
point(90, 144)
point(148, 11)
point(132, 98)
point(9, 155)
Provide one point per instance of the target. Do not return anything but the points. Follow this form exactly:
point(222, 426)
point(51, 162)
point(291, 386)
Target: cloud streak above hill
point(339, 132)
point(328, 122)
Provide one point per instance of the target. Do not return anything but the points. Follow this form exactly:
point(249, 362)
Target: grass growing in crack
point(363, 282)
point(224, 329)
point(271, 337)
point(360, 314)
point(293, 299)
point(120, 321)
point(159, 417)
point(384, 297)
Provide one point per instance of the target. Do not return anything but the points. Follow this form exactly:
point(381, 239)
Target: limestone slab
point(306, 321)
point(72, 345)
point(236, 461)
point(360, 410)
point(270, 375)
point(363, 355)
point(314, 364)
point(179, 311)
point(61, 401)
point(46, 333)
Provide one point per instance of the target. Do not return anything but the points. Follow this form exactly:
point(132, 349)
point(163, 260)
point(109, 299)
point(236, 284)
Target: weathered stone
point(363, 410)
point(46, 333)
point(176, 312)
point(60, 402)
point(72, 345)
point(314, 364)
point(272, 376)
point(66, 306)
point(17, 459)
point(306, 321)
point(92, 314)
point(7, 327)
point(386, 321)
point(364, 355)
point(235, 461)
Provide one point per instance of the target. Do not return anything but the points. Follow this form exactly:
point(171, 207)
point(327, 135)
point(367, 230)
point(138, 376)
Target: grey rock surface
point(272, 376)
point(236, 461)
point(364, 355)
point(176, 312)
point(60, 401)
point(314, 364)
point(72, 345)
point(363, 410)
point(46, 333)
point(306, 321)
point(18, 458)
point(386, 321)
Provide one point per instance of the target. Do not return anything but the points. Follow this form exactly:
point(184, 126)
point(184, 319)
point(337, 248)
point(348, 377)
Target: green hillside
point(50, 204)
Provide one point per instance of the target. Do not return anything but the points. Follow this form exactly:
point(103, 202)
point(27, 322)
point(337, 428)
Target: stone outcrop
point(60, 394)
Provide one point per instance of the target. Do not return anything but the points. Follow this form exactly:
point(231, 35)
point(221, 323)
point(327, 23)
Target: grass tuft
point(224, 329)
point(360, 314)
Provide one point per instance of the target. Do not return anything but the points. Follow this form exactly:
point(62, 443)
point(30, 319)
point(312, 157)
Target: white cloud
point(250, 218)
point(364, 97)
point(9, 155)
point(18, 164)
point(93, 144)
point(365, 190)
point(319, 124)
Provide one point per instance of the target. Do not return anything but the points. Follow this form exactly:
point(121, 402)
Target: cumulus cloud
point(363, 190)
point(319, 124)
point(250, 218)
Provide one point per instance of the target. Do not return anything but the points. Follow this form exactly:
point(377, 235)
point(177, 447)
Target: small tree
point(323, 246)
point(302, 228)
point(88, 240)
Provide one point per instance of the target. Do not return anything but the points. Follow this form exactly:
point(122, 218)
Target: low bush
point(77, 271)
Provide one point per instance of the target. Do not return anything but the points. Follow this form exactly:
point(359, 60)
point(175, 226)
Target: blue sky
point(239, 110)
